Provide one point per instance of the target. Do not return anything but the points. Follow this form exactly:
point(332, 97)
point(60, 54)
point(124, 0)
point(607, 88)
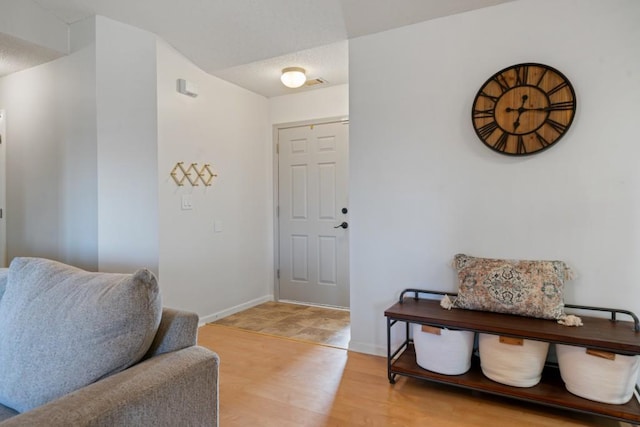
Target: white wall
point(91, 140)
point(423, 186)
point(210, 272)
point(28, 21)
point(51, 160)
point(332, 101)
point(82, 161)
point(127, 147)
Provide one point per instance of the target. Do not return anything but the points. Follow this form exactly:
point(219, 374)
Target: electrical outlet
point(187, 202)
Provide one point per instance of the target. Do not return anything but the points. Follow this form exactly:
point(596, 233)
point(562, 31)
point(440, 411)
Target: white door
point(3, 207)
point(313, 209)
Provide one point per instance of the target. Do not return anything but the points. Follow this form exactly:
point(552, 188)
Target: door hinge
point(277, 148)
point(0, 213)
point(278, 273)
point(277, 211)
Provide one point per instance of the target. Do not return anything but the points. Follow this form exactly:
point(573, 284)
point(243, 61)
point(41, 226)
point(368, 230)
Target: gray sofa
point(100, 351)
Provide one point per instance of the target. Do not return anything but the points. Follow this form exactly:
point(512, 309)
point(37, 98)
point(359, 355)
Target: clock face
point(523, 109)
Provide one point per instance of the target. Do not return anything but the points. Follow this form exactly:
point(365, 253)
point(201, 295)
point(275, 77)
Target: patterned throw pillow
point(525, 288)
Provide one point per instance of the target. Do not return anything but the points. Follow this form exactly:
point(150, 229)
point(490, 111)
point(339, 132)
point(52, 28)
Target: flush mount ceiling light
point(293, 77)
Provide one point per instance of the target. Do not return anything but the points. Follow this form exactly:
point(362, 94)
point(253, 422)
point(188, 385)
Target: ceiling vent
point(315, 82)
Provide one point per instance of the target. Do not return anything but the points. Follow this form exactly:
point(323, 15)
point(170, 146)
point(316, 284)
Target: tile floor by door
point(315, 324)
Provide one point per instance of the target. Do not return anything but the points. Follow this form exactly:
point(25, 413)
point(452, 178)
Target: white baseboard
point(238, 308)
point(361, 347)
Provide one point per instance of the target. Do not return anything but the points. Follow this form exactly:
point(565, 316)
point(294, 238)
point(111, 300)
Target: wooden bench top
point(599, 333)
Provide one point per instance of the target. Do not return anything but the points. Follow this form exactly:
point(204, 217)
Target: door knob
point(343, 225)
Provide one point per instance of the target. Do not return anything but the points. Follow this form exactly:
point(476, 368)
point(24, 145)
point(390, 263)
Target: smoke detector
point(315, 82)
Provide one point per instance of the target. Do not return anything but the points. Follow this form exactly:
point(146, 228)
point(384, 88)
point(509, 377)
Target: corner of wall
point(362, 347)
point(82, 34)
point(233, 310)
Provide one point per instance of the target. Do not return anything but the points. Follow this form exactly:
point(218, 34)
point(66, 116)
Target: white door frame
point(276, 189)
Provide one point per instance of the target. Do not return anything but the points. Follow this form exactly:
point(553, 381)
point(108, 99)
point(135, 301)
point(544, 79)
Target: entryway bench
point(417, 306)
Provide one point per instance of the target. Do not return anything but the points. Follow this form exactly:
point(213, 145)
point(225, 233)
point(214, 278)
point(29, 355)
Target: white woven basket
point(442, 350)
point(595, 375)
point(512, 361)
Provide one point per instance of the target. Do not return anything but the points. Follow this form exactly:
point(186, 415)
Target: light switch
point(217, 226)
point(187, 202)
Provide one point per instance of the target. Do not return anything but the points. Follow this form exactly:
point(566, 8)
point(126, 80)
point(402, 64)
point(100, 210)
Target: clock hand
point(520, 110)
point(522, 107)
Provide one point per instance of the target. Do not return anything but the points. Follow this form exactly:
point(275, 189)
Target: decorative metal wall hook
point(202, 174)
point(174, 173)
point(193, 179)
point(192, 174)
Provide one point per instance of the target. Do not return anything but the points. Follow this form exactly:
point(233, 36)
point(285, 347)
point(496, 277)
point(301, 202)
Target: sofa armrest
point(177, 388)
point(178, 329)
point(4, 274)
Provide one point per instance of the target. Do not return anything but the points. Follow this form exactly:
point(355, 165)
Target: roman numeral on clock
point(486, 130)
point(541, 77)
point(491, 97)
point(558, 127)
point(501, 143)
point(543, 142)
point(502, 82)
point(521, 149)
point(522, 75)
point(557, 88)
point(561, 106)
point(483, 114)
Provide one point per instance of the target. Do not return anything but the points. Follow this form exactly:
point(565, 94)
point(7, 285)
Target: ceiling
point(248, 42)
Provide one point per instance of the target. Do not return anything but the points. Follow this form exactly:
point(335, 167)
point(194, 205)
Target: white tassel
point(569, 274)
point(446, 303)
point(570, 320)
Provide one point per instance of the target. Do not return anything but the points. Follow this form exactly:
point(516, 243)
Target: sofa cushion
point(62, 328)
point(522, 287)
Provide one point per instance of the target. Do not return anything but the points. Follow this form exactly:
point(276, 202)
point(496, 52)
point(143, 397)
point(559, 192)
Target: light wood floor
point(270, 381)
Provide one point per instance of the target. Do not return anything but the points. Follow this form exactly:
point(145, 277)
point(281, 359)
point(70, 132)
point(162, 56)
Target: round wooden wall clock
point(523, 109)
